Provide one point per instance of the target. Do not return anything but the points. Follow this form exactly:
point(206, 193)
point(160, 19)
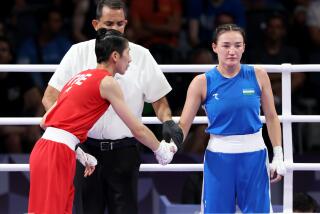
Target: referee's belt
point(109, 145)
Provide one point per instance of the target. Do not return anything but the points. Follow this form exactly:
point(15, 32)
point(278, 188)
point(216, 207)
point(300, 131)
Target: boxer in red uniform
point(80, 104)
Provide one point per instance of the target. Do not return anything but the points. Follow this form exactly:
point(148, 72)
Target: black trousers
point(113, 185)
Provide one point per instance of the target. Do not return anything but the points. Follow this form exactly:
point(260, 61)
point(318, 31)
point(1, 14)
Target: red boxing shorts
point(52, 170)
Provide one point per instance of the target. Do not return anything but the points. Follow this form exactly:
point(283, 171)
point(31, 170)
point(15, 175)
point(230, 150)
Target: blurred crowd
point(175, 32)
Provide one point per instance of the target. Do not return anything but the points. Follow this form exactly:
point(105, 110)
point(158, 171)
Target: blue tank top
point(233, 104)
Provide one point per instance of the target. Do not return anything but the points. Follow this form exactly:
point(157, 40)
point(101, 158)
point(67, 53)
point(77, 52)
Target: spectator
point(273, 49)
point(224, 18)
point(2, 29)
point(304, 203)
point(20, 98)
point(80, 31)
point(299, 31)
point(313, 21)
point(202, 15)
point(47, 47)
point(158, 23)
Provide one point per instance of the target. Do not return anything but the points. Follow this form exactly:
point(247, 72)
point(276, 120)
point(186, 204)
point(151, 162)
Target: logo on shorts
point(248, 91)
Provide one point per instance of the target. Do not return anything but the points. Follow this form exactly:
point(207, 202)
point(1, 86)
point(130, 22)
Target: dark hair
point(112, 4)
point(5, 39)
point(43, 15)
point(303, 202)
point(278, 16)
point(227, 27)
point(107, 41)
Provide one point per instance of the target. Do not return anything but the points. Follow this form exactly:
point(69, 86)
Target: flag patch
point(248, 91)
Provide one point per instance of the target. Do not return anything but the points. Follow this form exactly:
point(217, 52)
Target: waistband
point(236, 143)
point(109, 145)
point(61, 136)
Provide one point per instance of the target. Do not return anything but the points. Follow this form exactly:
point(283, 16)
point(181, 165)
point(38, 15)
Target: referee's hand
point(172, 131)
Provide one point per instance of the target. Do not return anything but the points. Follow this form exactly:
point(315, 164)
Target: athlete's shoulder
point(199, 80)
point(108, 82)
point(109, 87)
point(259, 70)
point(262, 76)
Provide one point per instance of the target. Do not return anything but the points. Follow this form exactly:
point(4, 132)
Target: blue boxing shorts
point(236, 173)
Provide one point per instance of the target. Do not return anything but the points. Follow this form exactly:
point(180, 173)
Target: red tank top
point(79, 104)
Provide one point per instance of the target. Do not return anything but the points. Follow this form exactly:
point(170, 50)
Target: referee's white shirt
point(143, 82)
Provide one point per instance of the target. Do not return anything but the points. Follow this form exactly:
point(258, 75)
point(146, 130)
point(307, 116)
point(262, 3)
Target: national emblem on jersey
point(248, 91)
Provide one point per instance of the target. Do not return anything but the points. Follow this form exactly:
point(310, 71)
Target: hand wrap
point(165, 152)
point(277, 163)
point(85, 158)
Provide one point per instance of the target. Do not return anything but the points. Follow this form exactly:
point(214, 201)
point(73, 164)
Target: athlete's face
point(111, 19)
point(229, 48)
point(122, 63)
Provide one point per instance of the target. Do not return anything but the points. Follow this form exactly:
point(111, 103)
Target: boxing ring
point(286, 119)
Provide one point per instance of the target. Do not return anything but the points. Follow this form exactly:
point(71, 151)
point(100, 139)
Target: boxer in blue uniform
point(236, 165)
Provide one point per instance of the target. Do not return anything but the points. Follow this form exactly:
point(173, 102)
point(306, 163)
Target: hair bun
point(101, 33)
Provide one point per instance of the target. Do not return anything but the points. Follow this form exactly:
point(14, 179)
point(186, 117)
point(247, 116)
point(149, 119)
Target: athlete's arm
point(277, 166)
point(195, 96)
point(111, 91)
point(43, 120)
point(50, 97)
point(268, 107)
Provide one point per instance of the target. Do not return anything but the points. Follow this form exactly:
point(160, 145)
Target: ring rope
point(287, 118)
point(169, 68)
point(155, 120)
point(171, 167)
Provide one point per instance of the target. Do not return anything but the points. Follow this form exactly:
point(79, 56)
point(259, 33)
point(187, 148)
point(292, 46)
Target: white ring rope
point(155, 120)
point(171, 167)
point(168, 68)
point(286, 118)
